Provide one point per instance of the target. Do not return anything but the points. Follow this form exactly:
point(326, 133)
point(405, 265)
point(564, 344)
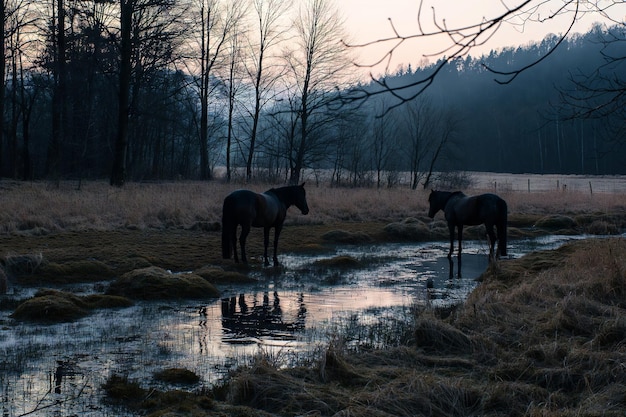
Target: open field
point(543, 335)
point(42, 208)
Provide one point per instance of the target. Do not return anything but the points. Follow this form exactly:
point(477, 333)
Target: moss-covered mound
point(58, 306)
point(410, 228)
point(216, 275)
point(130, 393)
point(75, 271)
point(155, 283)
point(32, 269)
point(177, 376)
point(556, 222)
point(341, 262)
point(342, 236)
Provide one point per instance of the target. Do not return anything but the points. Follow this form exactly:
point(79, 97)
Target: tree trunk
point(2, 75)
point(118, 175)
point(58, 100)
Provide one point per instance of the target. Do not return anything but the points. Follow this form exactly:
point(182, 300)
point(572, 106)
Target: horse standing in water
point(460, 210)
point(250, 209)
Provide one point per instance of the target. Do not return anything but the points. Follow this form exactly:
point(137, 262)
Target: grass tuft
point(155, 283)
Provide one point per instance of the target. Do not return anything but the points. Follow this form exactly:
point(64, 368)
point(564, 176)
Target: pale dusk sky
point(368, 20)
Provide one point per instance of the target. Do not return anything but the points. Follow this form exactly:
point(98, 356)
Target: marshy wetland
point(119, 304)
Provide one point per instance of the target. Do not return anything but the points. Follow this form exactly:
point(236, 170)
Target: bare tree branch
point(462, 39)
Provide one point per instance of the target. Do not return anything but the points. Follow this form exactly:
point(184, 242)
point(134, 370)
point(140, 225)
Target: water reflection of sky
point(286, 315)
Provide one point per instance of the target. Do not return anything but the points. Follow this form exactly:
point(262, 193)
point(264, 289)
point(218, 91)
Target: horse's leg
point(233, 242)
point(460, 228)
point(451, 228)
point(277, 231)
point(492, 240)
point(502, 239)
point(266, 242)
point(245, 231)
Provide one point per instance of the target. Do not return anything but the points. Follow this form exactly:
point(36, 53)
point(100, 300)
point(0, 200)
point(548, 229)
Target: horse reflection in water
point(243, 321)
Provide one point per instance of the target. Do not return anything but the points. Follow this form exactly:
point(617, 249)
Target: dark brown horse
point(459, 210)
point(250, 209)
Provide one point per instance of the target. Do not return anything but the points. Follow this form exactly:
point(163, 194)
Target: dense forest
point(199, 89)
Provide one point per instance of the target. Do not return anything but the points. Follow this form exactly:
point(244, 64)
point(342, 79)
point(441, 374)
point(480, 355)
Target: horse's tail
point(227, 227)
point(502, 226)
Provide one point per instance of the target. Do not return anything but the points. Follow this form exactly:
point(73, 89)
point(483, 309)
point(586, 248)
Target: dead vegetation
point(155, 283)
point(53, 306)
point(38, 209)
point(542, 335)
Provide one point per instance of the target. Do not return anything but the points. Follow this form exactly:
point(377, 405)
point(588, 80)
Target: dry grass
point(52, 306)
point(533, 340)
point(37, 208)
point(544, 335)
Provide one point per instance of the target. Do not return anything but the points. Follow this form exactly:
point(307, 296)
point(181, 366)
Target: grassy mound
point(58, 306)
point(155, 283)
point(341, 262)
point(410, 228)
point(216, 276)
point(342, 236)
point(556, 222)
point(31, 269)
point(177, 376)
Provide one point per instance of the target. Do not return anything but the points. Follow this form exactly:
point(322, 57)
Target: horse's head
point(435, 205)
point(299, 198)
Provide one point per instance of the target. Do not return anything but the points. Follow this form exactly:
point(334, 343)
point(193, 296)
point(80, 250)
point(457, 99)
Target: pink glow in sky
point(368, 20)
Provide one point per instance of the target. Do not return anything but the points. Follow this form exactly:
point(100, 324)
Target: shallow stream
point(289, 315)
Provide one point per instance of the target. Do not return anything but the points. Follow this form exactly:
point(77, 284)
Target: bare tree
point(59, 102)
point(317, 64)
point(118, 173)
point(234, 84)
point(427, 132)
point(17, 37)
point(268, 14)
point(217, 21)
point(462, 39)
point(384, 142)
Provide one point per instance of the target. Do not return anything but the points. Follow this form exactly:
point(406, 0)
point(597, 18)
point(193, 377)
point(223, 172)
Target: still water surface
point(290, 316)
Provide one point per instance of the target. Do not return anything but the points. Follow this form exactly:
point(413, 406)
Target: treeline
point(189, 86)
point(564, 115)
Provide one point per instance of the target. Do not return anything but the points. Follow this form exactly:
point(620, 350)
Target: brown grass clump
point(342, 236)
point(437, 336)
point(18, 265)
point(556, 222)
point(54, 306)
point(177, 376)
point(343, 262)
point(69, 273)
point(217, 276)
point(155, 283)
point(410, 229)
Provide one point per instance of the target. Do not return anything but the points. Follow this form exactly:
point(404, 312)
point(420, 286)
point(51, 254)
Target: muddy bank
point(94, 254)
